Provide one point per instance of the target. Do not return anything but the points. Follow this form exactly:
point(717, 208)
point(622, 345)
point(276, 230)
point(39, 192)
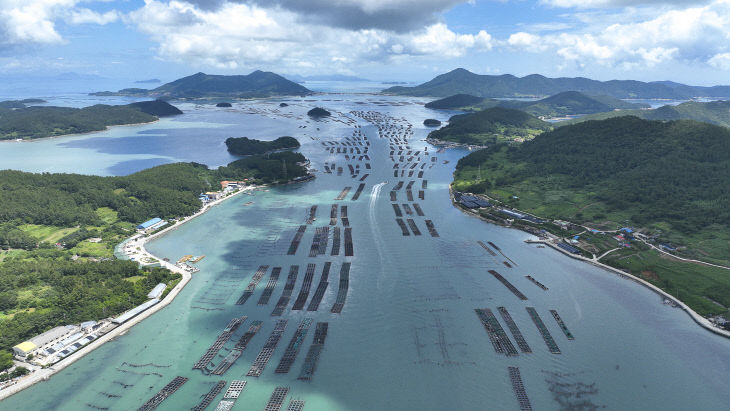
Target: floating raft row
point(296, 240)
point(499, 338)
point(321, 288)
point(219, 343)
point(210, 396)
point(241, 345)
point(252, 285)
point(277, 399)
point(486, 247)
point(333, 214)
point(339, 171)
point(291, 280)
point(431, 228)
point(562, 325)
point(409, 195)
point(319, 241)
point(165, 392)
point(364, 176)
point(396, 209)
point(410, 185)
point(269, 289)
point(413, 226)
point(420, 173)
point(268, 350)
point(343, 193)
point(349, 252)
point(343, 216)
point(295, 405)
point(418, 209)
point(424, 183)
point(395, 173)
point(358, 191)
point(290, 354)
point(539, 284)
point(552, 345)
point(508, 284)
point(312, 214)
point(403, 227)
point(398, 186)
point(393, 196)
point(310, 361)
point(336, 241)
point(514, 330)
point(519, 388)
point(304, 291)
point(342, 291)
point(421, 194)
point(234, 390)
point(407, 209)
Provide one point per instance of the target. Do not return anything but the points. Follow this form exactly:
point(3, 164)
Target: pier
point(296, 240)
point(268, 350)
point(552, 345)
point(210, 396)
point(519, 388)
point(290, 354)
point(277, 399)
point(269, 289)
point(218, 343)
point(162, 395)
point(499, 338)
point(252, 285)
point(562, 325)
point(304, 291)
point(310, 361)
point(321, 288)
point(516, 334)
point(507, 284)
point(291, 280)
point(342, 291)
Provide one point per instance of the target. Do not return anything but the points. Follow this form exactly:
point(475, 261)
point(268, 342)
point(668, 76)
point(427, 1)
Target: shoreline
point(46, 373)
point(700, 320)
point(109, 127)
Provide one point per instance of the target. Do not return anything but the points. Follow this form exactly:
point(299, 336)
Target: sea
point(408, 336)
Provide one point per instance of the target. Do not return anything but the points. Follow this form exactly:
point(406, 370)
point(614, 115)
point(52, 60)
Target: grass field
point(97, 250)
point(47, 233)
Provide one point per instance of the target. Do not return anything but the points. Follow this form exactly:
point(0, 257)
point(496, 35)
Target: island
point(318, 112)
point(223, 105)
point(283, 105)
point(244, 146)
point(634, 194)
point(713, 112)
point(431, 122)
point(48, 121)
point(488, 127)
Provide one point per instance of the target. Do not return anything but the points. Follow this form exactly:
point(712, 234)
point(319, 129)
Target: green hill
point(456, 101)
point(714, 112)
point(461, 81)
point(244, 146)
point(490, 126)
point(38, 122)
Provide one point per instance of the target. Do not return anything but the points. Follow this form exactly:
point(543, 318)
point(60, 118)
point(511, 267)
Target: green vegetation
point(243, 146)
point(269, 168)
point(455, 102)
point(667, 178)
point(431, 122)
point(714, 112)
point(318, 112)
point(38, 122)
point(490, 126)
point(461, 81)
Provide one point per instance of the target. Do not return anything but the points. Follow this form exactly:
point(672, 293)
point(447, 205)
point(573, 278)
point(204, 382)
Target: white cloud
point(85, 16)
point(720, 61)
point(584, 4)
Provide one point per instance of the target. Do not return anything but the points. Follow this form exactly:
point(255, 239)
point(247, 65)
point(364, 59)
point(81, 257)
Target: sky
point(396, 40)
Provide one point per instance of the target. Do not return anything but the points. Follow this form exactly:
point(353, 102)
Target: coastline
point(46, 373)
point(700, 320)
point(107, 128)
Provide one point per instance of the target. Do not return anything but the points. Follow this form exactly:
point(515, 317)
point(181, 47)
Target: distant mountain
point(461, 81)
point(454, 102)
point(490, 126)
point(200, 85)
point(714, 112)
point(152, 81)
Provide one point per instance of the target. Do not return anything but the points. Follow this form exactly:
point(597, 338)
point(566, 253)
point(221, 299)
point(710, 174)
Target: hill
point(39, 122)
point(490, 126)
point(666, 179)
point(713, 112)
point(456, 101)
point(244, 146)
point(318, 112)
point(461, 81)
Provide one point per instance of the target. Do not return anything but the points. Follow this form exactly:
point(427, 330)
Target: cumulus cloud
point(85, 16)
point(584, 4)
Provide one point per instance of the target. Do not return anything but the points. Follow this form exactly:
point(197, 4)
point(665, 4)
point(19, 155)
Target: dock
point(321, 288)
point(552, 345)
point(342, 290)
point(269, 289)
point(296, 240)
point(252, 285)
point(290, 354)
point(291, 280)
point(499, 338)
point(210, 396)
point(304, 291)
point(277, 399)
point(516, 334)
point(268, 350)
point(349, 251)
point(310, 361)
point(219, 343)
point(162, 395)
point(508, 284)
point(236, 352)
point(562, 325)
point(519, 388)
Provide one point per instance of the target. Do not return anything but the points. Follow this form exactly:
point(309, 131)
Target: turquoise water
point(408, 337)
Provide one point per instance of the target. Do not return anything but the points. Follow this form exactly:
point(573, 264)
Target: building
point(135, 311)
point(52, 336)
point(212, 195)
point(152, 224)
point(157, 291)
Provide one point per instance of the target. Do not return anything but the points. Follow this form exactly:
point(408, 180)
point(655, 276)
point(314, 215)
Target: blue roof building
point(149, 223)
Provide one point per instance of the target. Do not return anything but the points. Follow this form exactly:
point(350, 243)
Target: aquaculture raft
point(562, 324)
point(210, 396)
point(431, 228)
point(349, 252)
point(290, 354)
point(507, 284)
point(234, 390)
point(296, 240)
point(295, 405)
point(413, 226)
point(336, 241)
point(312, 214)
point(165, 392)
point(514, 330)
point(291, 280)
point(268, 350)
point(486, 247)
point(417, 207)
point(252, 285)
point(269, 289)
point(277, 399)
point(358, 192)
point(343, 193)
point(519, 388)
point(403, 227)
point(310, 361)
point(319, 242)
point(342, 291)
point(539, 284)
point(219, 342)
point(333, 214)
point(552, 345)
point(321, 288)
point(306, 286)
point(241, 345)
point(499, 339)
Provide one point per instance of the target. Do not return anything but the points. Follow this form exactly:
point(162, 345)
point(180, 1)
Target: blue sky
point(413, 40)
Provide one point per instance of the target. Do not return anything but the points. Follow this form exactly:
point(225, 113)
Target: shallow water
point(408, 337)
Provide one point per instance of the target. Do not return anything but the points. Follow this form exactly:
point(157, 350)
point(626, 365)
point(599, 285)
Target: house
point(213, 195)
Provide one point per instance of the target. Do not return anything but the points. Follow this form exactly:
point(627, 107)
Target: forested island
point(490, 126)
point(58, 231)
point(667, 180)
point(244, 146)
point(48, 121)
point(318, 112)
point(713, 112)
